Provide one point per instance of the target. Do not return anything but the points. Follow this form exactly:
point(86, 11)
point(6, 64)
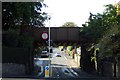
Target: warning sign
point(46, 71)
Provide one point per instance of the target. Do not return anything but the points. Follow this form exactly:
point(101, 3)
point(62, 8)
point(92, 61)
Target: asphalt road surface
point(60, 67)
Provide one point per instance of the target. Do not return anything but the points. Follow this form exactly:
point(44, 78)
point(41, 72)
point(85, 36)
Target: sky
point(76, 11)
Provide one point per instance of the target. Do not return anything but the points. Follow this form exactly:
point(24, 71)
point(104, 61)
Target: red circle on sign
point(44, 35)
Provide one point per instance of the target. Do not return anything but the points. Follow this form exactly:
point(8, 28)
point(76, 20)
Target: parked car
point(44, 53)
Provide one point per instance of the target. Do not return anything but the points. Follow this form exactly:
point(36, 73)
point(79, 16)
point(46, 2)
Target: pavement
point(13, 70)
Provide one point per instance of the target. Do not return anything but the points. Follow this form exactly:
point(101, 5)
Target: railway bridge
point(58, 35)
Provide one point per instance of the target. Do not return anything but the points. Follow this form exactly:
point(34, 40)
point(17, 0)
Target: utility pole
point(49, 17)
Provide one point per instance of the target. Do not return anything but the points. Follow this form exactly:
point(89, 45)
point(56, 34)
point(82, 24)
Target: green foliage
point(98, 24)
point(69, 48)
point(118, 8)
point(99, 31)
point(71, 54)
point(69, 24)
point(93, 30)
point(110, 15)
point(107, 44)
point(18, 13)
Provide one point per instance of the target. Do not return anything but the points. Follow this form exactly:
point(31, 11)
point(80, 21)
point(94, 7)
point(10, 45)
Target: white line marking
point(74, 72)
point(65, 58)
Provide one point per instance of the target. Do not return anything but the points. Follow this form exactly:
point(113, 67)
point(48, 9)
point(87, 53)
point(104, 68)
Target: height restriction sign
point(44, 35)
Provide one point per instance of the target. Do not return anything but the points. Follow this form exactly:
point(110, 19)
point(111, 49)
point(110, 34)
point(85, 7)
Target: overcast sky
point(77, 11)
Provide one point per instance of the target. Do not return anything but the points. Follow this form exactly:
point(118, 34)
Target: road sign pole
point(49, 48)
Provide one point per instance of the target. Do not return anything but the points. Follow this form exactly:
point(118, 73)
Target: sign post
point(49, 46)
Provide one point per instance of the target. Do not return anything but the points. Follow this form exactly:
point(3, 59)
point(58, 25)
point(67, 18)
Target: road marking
point(67, 72)
point(73, 72)
point(65, 58)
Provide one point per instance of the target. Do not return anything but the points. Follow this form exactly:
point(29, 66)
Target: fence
point(108, 69)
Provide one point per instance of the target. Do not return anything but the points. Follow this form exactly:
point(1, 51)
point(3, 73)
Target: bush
point(69, 48)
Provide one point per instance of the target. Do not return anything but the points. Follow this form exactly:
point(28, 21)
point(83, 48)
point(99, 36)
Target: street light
point(49, 17)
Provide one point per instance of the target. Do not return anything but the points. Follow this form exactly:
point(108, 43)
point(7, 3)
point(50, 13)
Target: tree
point(97, 24)
point(95, 28)
point(69, 24)
point(109, 42)
point(118, 11)
point(22, 13)
point(16, 16)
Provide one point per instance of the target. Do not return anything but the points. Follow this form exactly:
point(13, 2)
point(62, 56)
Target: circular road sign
point(44, 35)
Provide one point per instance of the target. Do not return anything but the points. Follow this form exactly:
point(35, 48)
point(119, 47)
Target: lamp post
point(49, 17)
